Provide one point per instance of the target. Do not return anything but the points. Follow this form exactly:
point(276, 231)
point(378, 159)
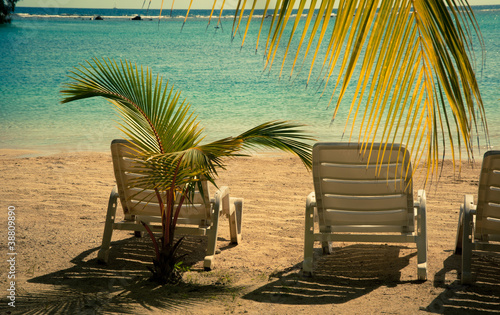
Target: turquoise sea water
point(225, 85)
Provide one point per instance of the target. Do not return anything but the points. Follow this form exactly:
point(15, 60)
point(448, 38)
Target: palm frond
point(416, 81)
point(282, 135)
point(151, 115)
point(166, 131)
point(203, 161)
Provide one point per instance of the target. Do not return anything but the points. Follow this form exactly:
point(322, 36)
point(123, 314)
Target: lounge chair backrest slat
point(363, 187)
point(150, 196)
point(361, 203)
point(138, 201)
point(187, 213)
point(354, 172)
point(387, 217)
point(356, 189)
point(354, 154)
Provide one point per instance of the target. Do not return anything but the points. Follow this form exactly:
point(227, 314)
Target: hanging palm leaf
point(414, 82)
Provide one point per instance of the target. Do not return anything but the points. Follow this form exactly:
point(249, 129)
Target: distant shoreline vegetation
point(55, 13)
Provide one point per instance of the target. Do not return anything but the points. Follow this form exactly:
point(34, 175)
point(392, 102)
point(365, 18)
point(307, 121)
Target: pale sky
point(155, 4)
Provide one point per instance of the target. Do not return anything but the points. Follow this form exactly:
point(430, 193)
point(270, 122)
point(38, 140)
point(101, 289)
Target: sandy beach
point(60, 205)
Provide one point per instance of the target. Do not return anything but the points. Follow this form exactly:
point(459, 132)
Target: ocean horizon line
point(148, 14)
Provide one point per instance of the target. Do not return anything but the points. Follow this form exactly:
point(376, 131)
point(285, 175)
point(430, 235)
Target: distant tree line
point(6, 9)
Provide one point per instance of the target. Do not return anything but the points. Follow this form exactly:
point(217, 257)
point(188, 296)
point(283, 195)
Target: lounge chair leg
point(307, 265)
point(235, 216)
point(136, 233)
point(208, 263)
point(327, 248)
point(422, 237)
point(469, 210)
point(460, 232)
point(102, 255)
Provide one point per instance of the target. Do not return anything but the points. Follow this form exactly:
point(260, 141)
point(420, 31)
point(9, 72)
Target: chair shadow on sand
point(481, 297)
point(122, 285)
point(348, 273)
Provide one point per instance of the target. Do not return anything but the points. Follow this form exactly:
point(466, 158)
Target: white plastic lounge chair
point(360, 200)
point(479, 225)
point(198, 217)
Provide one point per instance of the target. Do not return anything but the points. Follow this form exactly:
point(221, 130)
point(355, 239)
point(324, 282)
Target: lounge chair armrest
point(465, 237)
point(113, 198)
point(421, 203)
point(221, 192)
point(114, 192)
point(469, 204)
point(232, 208)
point(420, 212)
point(311, 200)
point(467, 209)
point(221, 200)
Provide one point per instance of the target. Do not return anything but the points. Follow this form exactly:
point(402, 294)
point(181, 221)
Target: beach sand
point(60, 205)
